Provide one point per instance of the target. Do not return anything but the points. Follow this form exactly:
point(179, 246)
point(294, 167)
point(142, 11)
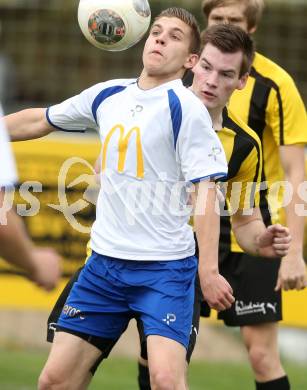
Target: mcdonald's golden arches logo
point(123, 143)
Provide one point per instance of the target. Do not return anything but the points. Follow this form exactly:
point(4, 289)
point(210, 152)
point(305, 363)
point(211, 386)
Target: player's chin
point(154, 65)
point(154, 72)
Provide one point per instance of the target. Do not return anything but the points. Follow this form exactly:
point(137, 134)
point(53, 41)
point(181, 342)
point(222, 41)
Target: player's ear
point(242, 81)
point(191, 61)
point(252, 30)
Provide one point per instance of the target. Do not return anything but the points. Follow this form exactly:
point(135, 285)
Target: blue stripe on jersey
point(104, 94)
point(176, 113)
point(217, 175)
point(60, 128)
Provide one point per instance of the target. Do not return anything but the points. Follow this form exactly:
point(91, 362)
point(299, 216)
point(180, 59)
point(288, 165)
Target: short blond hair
point(253, 9)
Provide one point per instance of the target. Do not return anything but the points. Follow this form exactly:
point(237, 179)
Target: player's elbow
point(28, 124)
point(39, 125)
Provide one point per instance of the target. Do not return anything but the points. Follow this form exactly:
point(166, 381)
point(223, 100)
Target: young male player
point(271, 105)
point(40, 264)
point(142, 263)
point(222, 68)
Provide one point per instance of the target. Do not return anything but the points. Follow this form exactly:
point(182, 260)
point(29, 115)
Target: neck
point(148, 81)
point(217, 118)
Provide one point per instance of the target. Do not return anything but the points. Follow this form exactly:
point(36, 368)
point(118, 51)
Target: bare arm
point(216, 290)
point(15, 245)
point(28, 124)
point(40, 264)
point(292, 273)
point(257, 239)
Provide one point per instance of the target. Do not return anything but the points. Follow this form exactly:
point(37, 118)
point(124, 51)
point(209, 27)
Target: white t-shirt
point(155, 143)
point(8, 176)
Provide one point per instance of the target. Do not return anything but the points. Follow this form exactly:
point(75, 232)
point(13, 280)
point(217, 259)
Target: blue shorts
point(109, 292)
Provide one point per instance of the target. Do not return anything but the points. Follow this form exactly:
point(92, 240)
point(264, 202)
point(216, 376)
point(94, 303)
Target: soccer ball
point(114, 25)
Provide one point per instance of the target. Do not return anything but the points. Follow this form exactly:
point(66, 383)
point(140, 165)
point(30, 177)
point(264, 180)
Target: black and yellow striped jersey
point(244, 156)
point(271, 105)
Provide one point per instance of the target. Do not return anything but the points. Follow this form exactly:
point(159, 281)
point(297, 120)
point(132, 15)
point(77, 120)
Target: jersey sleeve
point(287, 114)
point(199, 149)
point(8, 175)
point(75, 113)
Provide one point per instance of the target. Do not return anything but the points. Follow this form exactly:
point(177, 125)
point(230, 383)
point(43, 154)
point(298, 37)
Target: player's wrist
point(295, 250)
point(208, 269)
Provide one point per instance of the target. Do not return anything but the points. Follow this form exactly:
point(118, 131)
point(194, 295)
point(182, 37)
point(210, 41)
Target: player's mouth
point(157, 52)
point(208, 95)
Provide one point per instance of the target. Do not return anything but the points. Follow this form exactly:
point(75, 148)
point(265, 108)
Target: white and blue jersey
point(8, 175)
point(155, 143)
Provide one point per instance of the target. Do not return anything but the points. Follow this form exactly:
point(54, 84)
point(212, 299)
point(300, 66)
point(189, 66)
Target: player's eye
point(176, 37)
point(206, 67)
point(235, 20)
point(155, 32)
point(218, 19)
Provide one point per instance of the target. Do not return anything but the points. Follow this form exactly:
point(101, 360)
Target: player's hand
point(47, 268)
point(217, 292)
point(274, 242)
point(292, 273)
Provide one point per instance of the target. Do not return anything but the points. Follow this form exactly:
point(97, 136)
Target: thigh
point(262, 336)
point(70, 360)
point(167, 357)
point(266, 334)
point(253, 280)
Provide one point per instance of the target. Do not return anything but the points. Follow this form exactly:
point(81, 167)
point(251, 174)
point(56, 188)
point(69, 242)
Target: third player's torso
point(272, 107)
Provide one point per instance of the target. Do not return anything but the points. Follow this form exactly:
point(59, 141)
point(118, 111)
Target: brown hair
point(253, 9)
point(231, 39)
point(187, 18)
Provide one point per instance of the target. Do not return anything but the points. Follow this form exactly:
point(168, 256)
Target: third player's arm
point(293, 270)
point(257, 239)
point(28, 124)
point(40, 264)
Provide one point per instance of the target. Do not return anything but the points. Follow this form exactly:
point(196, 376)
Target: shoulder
point(101, 92)
point(269, 72)
point(184, 93)
point(241, 129)
point(111, 84)
point(123, 82)
point(191, 104)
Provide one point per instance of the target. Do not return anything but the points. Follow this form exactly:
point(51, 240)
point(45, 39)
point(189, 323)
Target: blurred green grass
point(19, 370)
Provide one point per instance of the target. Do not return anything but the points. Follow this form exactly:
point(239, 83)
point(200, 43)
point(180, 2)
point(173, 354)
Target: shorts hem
point(79, 329)
point(169, 335)
point(250, 322)
point(105, 345)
